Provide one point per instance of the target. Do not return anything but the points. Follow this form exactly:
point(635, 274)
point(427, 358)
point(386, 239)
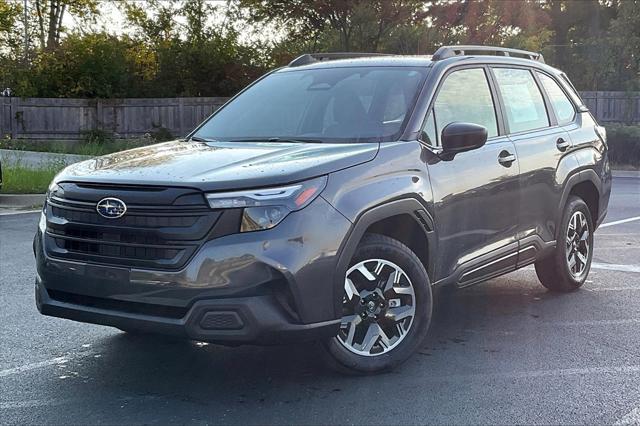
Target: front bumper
point(256, 319)
point(260, 287)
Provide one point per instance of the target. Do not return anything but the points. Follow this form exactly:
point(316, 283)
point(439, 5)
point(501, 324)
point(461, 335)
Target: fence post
point(13, 122)
point(181, 116)
point(4, 125)
point(99, 114)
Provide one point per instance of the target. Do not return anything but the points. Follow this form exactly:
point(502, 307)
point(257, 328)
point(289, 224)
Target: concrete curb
point(34, 160)
point(625, 173)
point(21, 200)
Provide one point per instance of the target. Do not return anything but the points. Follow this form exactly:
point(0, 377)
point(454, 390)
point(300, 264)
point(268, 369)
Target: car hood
point(213, 166)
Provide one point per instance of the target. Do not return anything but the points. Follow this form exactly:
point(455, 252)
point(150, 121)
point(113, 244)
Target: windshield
point(360, 104)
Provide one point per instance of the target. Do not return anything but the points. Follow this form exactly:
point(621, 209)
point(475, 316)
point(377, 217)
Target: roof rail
point(451, 51)
point(310, 58)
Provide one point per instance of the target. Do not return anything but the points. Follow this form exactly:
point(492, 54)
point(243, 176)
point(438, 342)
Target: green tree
point(50, 15)
point(10, 36)
point(354, 25)
point(152, 20)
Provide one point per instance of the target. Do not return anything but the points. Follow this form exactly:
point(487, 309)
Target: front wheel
point(386, 308)
point(567, 268)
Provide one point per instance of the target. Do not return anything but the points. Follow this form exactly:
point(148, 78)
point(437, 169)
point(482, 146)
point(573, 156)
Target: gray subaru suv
point(328, 199)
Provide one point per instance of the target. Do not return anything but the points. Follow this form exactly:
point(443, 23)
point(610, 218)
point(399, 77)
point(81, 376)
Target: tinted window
point(359, 104)
point(523, 101)
point(561, 104)
point(465, 96)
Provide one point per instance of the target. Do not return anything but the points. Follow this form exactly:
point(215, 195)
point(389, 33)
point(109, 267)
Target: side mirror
point(460, 137)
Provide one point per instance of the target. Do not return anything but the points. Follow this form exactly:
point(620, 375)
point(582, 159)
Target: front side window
point(522, 99)
point(559, 101)
point(465, 96)
point(350, 104)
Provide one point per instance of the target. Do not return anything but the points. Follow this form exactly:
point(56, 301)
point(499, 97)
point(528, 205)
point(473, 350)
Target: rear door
point(476, 194)
point(543, 150)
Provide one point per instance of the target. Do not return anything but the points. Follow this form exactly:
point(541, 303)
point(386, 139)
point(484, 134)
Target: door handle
point(562, 144)
point(506, 158)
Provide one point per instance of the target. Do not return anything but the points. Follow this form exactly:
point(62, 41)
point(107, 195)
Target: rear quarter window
point(572, 90)
point(559, 101)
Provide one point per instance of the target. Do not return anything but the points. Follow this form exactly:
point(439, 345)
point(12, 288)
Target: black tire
point(554, 271)
point(374, 246)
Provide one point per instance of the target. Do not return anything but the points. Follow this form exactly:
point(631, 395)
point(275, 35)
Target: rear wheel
point(567, 268)
point(386, 308)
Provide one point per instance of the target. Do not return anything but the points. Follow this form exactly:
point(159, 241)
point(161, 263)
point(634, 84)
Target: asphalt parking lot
point(502, 352)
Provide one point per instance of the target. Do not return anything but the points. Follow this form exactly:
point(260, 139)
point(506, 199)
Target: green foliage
point(357, 25)
point(204, 48)
point(10, 14)
point(50, 14)
point(162, 134)
point(624, 145)
point(92, 148)
point(18, 179)
point(96, 136)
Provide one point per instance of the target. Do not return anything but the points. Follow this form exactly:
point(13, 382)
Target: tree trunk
point(53, 20)
point(39, 11)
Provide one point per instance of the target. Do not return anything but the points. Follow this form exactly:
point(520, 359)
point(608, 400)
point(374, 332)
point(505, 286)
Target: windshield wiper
point(275, 139)
point(199, 139)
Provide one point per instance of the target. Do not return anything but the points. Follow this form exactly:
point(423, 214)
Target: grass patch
point(90, 146)
point(21, 180)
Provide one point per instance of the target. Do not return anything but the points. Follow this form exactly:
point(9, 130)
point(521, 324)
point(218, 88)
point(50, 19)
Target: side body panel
point(592, 160)
point(476, 205)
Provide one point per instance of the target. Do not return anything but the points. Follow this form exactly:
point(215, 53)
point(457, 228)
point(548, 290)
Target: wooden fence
point(49, 118)
point(614, 107)
point(46, 118)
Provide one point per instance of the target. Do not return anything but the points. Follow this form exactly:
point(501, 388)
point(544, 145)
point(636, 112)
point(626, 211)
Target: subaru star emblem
point(111, 208)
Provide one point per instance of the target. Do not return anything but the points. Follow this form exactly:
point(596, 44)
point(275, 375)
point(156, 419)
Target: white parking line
point(605, 266)
point(532, 374)
point(613, 289)
point(20, 212)
point(618, 222)
point(615, 267)
point(31, 403)
point(632, 418)
point(34, 366)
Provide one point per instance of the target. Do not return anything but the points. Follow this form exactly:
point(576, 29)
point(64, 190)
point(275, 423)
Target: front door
point(476, 194)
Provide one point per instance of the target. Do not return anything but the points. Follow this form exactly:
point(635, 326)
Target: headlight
point(265, 208)
point(55, 190)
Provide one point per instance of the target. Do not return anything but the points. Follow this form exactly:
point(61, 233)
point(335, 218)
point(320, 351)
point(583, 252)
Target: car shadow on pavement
point(203, 371)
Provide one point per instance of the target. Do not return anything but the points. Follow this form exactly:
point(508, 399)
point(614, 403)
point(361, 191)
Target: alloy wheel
point(378, 307)
point(577, 244)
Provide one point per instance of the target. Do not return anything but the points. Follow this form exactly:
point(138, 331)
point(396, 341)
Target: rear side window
point(561, 104)
point(465, 96)
point(523, 101)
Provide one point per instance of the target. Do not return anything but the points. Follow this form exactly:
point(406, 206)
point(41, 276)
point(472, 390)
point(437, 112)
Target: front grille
point(162, 228)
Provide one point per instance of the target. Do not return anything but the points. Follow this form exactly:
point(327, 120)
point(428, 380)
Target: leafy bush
point(624, 145)
point(161, 134)
point(96, 136)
